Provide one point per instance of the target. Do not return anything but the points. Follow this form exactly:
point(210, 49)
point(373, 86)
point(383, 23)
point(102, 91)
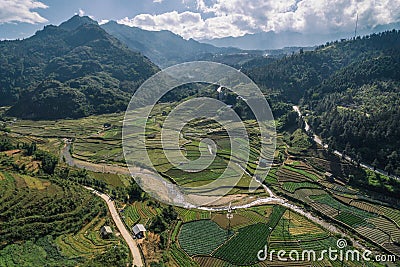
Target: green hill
point(73, 70)
point(351, 90)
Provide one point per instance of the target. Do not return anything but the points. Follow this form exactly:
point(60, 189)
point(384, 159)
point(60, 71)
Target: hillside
point(164, 48)
point(350, 90)
point(73, 70)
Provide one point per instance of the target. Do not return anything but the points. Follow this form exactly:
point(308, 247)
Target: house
point(329, 176)
point(151, 136)
point(105, 231)
point(264, 163)
point(139, 231)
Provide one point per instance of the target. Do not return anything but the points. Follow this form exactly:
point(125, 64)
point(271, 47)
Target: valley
point(71, 196)
point(296, 183)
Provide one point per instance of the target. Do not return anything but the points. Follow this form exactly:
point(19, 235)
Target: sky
point(202, 19)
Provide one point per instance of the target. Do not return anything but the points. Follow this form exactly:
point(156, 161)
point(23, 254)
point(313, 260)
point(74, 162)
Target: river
point(272, 199)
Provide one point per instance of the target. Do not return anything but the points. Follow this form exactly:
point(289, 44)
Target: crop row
point(292, 186)
point(187, 215)
point(309, 175)
point(58, 208)
point(201, 237)
point(242, 248)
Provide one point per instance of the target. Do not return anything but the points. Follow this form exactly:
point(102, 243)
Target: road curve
point(137, 259)
point(272, 199)
point(318, 140)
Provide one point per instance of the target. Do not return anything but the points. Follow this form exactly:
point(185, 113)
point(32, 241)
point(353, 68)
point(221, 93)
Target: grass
point(66, 128)
point(242, 248)
point(176, 231)
point(187, 215)
point(115, 180)
point(41, 253)
point(33, 210)
point(35, 183)
point(180, 258)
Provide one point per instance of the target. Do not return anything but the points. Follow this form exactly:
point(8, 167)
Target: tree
point(134, 192)
point(375, 164)
point(49, 161)
point(169, 214)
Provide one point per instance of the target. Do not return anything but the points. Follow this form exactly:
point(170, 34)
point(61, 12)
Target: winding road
point(126, 235)
point(137, 259)
point(319, 141)
point(272, 199)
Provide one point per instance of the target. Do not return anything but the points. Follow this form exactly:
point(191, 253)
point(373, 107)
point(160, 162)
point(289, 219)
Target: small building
point(151, 136)
point(264, 163)
point(139, 231)
point(105, 231)
point(329, 176)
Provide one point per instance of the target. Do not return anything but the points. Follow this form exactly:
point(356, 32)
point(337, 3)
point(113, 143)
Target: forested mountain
point(73, 70)
point(351, 89)
point(164, 48)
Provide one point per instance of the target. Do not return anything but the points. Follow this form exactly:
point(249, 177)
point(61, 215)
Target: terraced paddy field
point(139, 212)
point(50, 222)
point(217, 242)
point(370, 219)
point(87, 242)
point(93, 142)
point(66, 128)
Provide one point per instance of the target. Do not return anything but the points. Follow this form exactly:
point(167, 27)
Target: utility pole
point(229, 216)
point(355, 31)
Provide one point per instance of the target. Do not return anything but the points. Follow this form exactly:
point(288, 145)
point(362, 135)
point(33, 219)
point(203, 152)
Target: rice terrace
point(276, 143)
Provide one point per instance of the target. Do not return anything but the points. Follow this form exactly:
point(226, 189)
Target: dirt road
point(137, 259)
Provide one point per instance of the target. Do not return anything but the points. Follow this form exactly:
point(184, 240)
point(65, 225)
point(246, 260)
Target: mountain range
point(277, 40)
point(164, 48)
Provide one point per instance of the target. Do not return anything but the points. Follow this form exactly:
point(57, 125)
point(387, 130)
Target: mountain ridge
point(164, 48)
point(274, 40)
point(78, 61)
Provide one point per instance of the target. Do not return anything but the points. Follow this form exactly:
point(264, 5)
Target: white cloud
point(103, 21)
point(220, 18)
point(187, 24)
point(21, 11)
point(81, 12)
point(307, 15)
point(158, 1)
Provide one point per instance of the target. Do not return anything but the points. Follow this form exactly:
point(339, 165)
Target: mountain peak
point(77, 21)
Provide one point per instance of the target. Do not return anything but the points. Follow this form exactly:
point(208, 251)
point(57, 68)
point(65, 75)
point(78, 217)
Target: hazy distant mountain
point(164, 48)
point(273, 40)
point(73, 70)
